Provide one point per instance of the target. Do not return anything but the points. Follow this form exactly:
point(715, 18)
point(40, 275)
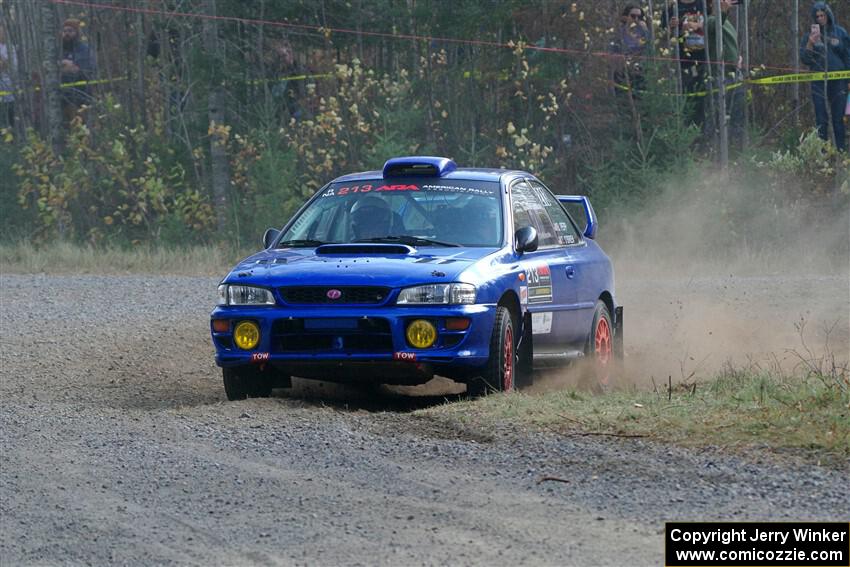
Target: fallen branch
point(562, 416)
point(586, 433)
point(551, 478)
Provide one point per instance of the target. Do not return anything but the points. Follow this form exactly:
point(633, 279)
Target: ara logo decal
point(408, 356)
point(259, 356)
point(334, 294)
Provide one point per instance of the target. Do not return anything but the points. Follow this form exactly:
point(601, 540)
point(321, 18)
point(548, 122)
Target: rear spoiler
point(590, 215)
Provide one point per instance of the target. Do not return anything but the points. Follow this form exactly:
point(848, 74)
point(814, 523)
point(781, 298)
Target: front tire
point(240, 383)
point(500, 372)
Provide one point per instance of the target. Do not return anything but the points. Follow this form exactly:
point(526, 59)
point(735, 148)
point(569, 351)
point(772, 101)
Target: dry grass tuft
point(64, 258)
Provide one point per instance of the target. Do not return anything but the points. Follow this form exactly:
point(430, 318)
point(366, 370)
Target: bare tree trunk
point(132, 100)
point(721, 89)
point(795, 53)
point(220, 178)
point(677, 36)
point(50, 65)
point(709, 114)
point(746, 86)
point(140, 67)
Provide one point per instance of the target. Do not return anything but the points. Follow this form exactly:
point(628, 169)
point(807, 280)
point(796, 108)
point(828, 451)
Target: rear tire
point(500, 372)
point(599, 351)
point(241, 383)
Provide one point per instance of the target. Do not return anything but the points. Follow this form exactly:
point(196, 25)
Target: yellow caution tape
point(800, 78)
point(290, 78)
point(69, 85)
point(777, 80)
point(104, 81)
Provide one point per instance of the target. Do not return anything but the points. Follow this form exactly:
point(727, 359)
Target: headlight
point(244, 295)
point(438, 294)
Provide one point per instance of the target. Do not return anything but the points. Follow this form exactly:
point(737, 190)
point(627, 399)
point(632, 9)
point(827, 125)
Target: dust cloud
point(711, 277)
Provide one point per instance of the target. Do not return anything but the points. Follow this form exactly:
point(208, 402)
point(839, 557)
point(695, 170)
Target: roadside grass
point(66, 258)
point(806, 414)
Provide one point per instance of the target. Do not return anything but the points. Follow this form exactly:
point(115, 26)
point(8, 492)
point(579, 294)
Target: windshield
point(421, 212)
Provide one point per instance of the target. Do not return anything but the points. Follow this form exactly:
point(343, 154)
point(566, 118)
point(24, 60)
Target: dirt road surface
point(118, 447)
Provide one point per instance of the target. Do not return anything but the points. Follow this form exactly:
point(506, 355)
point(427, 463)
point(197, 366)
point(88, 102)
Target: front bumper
point(353, 343)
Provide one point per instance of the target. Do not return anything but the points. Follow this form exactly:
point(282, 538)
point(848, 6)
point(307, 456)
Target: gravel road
point(118, 447)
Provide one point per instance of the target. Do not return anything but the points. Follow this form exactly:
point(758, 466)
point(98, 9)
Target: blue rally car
point(423, 268)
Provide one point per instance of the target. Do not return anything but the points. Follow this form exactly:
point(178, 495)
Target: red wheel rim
point(603, 349)
point(508, 363)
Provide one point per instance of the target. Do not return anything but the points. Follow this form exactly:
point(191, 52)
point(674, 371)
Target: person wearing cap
point(77, 65)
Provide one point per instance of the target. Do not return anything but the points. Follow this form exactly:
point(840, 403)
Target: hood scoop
point(363, 248)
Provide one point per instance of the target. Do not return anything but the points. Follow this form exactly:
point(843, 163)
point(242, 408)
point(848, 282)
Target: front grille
point(318, 295)
point(306, 335)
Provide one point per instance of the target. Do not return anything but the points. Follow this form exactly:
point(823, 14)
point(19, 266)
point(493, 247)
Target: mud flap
point(619, 345)
point(525, 355)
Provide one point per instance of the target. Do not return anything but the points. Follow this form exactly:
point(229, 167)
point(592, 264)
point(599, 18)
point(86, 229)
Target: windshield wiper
point(409, 240)
point(299, 242)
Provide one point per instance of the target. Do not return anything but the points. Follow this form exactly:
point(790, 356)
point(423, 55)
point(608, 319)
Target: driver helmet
point(371, 217)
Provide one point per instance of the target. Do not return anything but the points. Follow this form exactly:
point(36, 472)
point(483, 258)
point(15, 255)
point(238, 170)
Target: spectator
point(7, 90)
point(827, 48)
point(689, 31)
point(77, 65)
point(733, 76)
point(632, 42)
point(287, 93)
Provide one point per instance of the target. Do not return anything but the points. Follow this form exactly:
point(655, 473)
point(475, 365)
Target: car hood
point(389, 265)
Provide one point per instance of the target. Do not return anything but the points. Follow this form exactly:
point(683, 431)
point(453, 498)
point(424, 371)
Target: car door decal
point(539, 283)
point(541, 323)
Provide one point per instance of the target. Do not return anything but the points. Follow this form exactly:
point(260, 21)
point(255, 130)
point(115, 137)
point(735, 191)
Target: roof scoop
point(419, 166)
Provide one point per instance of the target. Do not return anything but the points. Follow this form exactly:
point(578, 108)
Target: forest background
point(200, 132)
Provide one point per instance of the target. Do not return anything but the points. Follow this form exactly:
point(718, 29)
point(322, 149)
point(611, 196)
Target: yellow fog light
point(246, 335)
point(421, 334)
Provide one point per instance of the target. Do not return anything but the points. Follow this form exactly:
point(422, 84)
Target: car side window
point(565, 228)
point(529, 211)
point(520, 207)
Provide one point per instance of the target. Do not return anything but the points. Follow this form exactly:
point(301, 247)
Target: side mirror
point(526, 239)
point(269, 237)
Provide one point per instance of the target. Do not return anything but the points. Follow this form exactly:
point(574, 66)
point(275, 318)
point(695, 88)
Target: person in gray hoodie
point(827, 48)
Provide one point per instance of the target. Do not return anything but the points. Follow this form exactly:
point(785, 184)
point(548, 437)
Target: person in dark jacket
point(827, 48)
point(77, 65)
point(632, 42)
